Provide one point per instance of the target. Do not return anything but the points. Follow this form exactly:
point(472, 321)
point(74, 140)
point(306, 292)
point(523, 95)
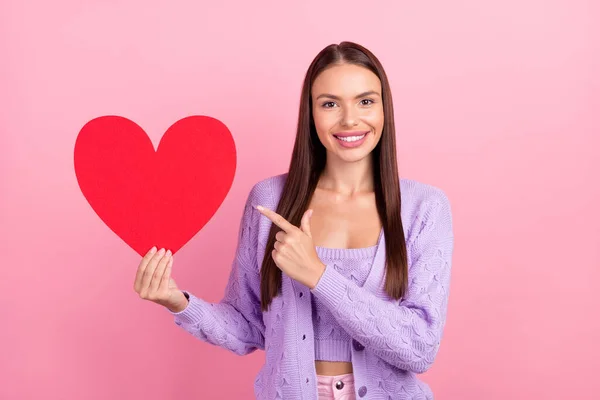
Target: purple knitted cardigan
point(392, 340)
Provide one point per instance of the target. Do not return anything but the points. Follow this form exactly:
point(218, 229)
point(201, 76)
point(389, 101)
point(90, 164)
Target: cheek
point(375, 119)
point(324, 122)
point(324, 117)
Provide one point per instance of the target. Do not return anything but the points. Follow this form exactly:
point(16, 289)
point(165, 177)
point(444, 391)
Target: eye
point(366, 104)
point(327, 103)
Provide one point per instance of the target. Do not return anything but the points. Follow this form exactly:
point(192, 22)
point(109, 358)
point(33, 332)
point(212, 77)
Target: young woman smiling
point(342, 269)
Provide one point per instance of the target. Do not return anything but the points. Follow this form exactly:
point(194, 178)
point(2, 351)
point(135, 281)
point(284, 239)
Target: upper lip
point(354, 133)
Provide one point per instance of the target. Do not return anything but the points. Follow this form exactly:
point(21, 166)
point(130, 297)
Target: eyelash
point(328, 102)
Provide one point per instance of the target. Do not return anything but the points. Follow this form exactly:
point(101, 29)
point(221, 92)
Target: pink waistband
point(329, 380)
point(339, 387)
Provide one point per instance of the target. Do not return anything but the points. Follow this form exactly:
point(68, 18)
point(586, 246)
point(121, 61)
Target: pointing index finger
point(276, 219)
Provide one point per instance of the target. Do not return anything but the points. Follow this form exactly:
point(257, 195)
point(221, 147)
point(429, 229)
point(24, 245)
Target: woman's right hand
point(153, 281)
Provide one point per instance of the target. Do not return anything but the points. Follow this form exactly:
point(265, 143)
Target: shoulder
point(267, 191)
point(416, 194)
point(424, 204)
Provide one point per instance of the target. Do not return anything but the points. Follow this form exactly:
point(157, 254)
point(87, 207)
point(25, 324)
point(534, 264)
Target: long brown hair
point(308, 162)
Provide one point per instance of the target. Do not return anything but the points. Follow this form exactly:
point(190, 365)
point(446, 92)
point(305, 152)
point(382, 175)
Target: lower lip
point(351, 145)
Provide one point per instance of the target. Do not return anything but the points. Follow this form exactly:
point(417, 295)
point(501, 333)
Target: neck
point(347, 178)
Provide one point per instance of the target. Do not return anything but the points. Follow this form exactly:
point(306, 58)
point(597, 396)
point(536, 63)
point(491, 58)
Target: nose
point(349, 117)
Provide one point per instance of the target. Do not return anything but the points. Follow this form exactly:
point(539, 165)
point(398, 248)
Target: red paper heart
point(155, 198)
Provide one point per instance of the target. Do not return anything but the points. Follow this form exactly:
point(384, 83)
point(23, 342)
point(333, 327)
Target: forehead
point(346, 80)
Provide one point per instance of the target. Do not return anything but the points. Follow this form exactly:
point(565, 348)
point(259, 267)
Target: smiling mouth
point(351, 140)
point(351, 137)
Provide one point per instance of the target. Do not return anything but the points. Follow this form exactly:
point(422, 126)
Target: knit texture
point(332, 342)
point(392, 340)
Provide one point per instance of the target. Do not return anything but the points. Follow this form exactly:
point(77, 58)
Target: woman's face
point(348, 111)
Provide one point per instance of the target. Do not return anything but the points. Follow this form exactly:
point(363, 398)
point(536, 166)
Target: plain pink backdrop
point(496, 102)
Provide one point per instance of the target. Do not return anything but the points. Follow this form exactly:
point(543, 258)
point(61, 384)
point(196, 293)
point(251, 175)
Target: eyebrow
point(331, 96)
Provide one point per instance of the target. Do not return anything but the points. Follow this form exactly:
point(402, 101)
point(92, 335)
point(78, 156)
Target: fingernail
point(161, 251)
point(153, 250)
point(260, 208)
point(169, 253)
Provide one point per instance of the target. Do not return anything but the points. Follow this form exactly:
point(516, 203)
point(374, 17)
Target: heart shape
point(155, 198)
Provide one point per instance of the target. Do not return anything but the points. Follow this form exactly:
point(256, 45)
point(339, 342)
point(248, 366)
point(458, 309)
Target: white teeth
point(351, 138)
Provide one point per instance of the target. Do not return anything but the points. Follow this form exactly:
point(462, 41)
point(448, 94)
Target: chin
point(352, 156)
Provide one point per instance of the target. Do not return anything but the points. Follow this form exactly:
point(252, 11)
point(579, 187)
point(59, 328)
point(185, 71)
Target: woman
point(344, 289)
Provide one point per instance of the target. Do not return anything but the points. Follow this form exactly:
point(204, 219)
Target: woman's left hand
point(295, 253)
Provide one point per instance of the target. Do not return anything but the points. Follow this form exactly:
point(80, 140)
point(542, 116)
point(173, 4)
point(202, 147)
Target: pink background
point(496, 102)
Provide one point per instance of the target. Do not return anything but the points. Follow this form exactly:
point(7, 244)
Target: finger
point(278, 246)
point(158, 273)
point(276, 219)
point(275, 256)
point(141, 268)
point(280, 236)
point(164, 280)
point(305, 223)
point(149, 272)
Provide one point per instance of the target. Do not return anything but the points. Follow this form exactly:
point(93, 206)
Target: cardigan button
point(362, 392)
point(339, 385)
point(357, 346)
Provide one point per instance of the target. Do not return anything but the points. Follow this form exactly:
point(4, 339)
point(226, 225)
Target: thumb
point(305, 223)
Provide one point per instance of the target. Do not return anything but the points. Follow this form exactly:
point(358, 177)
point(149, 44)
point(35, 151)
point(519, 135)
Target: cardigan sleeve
point(405, 334)
point(235, 323)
